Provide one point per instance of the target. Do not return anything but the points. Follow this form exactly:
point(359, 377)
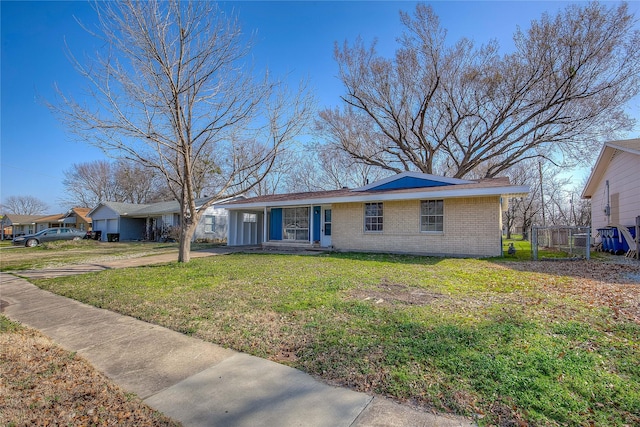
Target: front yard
point(510, 343)
point(54, 254)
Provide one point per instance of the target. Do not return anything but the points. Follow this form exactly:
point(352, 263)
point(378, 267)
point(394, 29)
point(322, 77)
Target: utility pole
point(638, 237)
point(544, 221)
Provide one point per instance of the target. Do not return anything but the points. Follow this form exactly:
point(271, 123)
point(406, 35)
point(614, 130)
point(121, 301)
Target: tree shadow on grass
point(386, 257)
point(592, 270)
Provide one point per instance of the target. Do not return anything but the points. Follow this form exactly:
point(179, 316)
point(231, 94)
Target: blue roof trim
point(409, 182)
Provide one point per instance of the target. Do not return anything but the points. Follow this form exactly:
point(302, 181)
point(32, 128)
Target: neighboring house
point(406, 213)
point(17, 225)
point(29, 224)
point(5, 230)
point(155, 221)
point(49, 221)
point(76, 218)
point(614, 185)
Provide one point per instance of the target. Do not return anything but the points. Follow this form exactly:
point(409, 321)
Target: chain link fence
point(560, 242)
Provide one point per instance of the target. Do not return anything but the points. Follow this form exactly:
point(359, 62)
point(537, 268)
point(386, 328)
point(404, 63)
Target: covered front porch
point(303, 227)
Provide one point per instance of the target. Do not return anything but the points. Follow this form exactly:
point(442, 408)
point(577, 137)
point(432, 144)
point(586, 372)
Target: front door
point(325, 238)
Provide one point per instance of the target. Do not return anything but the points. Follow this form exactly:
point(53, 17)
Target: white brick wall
point(472, 227)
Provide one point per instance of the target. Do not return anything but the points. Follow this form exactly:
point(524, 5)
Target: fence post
point(534, 243)
point(588, 243)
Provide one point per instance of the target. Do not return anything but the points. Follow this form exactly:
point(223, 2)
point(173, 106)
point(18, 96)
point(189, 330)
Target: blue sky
point(293, 37)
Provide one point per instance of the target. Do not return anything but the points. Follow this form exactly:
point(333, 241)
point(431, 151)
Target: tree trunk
point(188, 223)
point(187, 230)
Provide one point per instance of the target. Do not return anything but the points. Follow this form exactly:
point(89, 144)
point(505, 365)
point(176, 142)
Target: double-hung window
point(209, 223)
point(432, 216)
point(373, 219)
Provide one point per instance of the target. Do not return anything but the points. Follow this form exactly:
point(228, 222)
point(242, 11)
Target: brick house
point(74, 217)
point(406, 213)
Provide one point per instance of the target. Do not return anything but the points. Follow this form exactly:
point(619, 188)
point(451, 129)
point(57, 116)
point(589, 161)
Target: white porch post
point(264, 226)
point(231, 228)
point(240, 229)
point(311, 224)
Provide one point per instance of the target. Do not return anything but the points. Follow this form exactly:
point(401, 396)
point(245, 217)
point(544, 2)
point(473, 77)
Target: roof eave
point(602, 163)
point(420, 175)
point(597, 171)
point(450, 193)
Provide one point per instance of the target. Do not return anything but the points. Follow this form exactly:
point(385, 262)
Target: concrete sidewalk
point(192, 381)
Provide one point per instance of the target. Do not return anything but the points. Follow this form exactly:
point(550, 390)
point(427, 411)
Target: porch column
point(264, 226)
point(240, 229)
point(231, 228)
point(311, 224)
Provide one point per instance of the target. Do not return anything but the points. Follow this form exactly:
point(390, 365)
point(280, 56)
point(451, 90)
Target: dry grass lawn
point(42, 384)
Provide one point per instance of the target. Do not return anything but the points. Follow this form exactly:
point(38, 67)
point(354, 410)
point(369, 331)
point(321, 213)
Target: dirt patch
point(396, 293)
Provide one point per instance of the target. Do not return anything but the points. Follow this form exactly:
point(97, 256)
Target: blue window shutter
point(275, 228)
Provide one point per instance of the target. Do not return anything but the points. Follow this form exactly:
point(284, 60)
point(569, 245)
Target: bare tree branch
point(24, 205)
point(173, 91)
point(455, 109)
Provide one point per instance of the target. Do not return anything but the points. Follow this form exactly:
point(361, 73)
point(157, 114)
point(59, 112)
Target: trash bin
point(604, 232)
point(615, 244)
point(97, 235)
point(624, 243)
point(113, 237)
point(609, 234)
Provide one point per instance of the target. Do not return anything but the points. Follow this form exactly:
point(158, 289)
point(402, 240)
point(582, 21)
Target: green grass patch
point(7, 325)
point(463, 335)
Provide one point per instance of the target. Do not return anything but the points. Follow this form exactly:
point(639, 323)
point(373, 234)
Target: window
point(209, 223)
point(295, 223)
point(327, 222)
point(432, 215)
point(249, 217)
point(373, 217)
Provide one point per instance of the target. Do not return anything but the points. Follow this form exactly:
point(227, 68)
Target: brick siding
point(472, 227)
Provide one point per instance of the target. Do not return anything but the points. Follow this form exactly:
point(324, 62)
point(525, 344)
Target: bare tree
point(24, 205)
point(338, 169)
point(522, 211)
point(172, 91)
point(557, 197)
point(320, 167)
point(87, 184)
point(136, 184)
point(447, 109)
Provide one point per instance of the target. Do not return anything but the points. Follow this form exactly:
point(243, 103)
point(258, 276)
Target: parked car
point(49, 235)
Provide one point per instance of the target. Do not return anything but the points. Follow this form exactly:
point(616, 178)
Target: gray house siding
point(154, 221)
point(213, 225)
